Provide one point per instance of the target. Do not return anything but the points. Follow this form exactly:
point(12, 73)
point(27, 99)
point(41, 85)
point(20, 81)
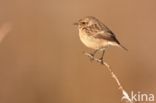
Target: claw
point(101, 61)
point(91, 57)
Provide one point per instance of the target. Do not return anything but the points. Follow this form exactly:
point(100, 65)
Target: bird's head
point(87, 21)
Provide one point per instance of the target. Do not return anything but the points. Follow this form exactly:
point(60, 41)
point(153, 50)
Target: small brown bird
point(94, 34)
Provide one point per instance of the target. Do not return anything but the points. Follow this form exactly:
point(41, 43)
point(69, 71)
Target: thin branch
point(125, 96)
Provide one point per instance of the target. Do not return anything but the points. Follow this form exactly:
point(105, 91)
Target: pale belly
point(92, 42)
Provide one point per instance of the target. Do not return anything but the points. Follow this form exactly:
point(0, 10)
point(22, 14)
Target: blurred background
point(42, 61)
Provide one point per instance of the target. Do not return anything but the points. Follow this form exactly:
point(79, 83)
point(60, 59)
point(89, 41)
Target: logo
point(142, 97)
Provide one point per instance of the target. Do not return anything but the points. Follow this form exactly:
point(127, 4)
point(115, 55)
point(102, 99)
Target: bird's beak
point(76, 24)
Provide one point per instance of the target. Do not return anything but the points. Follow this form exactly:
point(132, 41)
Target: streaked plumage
point(94, 34)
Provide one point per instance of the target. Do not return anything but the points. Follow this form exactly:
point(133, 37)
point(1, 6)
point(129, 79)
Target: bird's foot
point(101, 60)
point(90, 55)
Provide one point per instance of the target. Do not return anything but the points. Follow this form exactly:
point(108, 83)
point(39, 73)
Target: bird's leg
point(93, 54)
point(101, 59)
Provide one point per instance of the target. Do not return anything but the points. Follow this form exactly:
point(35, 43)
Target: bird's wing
point(106, 34)
point(101, 32)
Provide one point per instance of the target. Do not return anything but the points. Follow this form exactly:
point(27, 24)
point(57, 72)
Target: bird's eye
point(83, 23)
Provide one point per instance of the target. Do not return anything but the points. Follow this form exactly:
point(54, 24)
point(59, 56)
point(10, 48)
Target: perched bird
point(95, 35)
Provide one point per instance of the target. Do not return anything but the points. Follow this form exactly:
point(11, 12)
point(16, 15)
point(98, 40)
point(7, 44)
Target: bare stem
point(125, 96)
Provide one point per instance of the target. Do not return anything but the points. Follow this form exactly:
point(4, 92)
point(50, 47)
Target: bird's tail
point(121, 46)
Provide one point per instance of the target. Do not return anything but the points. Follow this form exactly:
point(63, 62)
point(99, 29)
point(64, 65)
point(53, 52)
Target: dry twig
point(125, 96)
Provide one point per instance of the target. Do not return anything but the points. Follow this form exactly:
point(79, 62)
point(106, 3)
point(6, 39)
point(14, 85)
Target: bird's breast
point(91, 41)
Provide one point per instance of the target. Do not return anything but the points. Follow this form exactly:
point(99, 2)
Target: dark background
point(41, 59)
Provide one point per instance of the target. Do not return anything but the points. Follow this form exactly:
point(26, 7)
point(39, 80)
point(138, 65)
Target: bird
point(96, 35)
